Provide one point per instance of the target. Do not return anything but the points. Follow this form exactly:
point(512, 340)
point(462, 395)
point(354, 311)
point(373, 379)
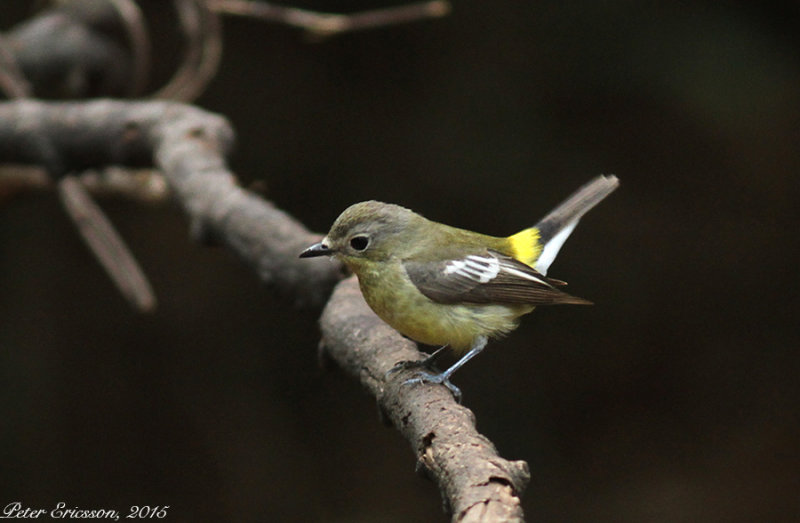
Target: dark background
point(674, 398)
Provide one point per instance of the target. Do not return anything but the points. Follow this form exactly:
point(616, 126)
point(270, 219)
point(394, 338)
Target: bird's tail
point(539, 245)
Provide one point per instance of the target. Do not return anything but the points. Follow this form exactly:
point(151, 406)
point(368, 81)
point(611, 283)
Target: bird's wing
point(489, 277)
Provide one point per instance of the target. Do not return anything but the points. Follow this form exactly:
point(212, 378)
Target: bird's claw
point(428, 373)
point(441, 379)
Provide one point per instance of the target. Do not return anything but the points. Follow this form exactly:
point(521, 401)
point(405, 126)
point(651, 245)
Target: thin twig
point(12, 81)
point(107, 246)
point(201, 59)
point(139, 41)
point(330, 24)
point(140, 185)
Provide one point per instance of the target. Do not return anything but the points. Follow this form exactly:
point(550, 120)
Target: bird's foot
point(428, 373)
point(442, 379)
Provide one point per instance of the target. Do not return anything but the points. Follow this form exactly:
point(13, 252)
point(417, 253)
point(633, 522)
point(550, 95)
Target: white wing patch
point(482, 269)
point(486, 268)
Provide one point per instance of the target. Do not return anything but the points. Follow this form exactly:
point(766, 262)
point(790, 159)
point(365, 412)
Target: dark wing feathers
point(490, 277)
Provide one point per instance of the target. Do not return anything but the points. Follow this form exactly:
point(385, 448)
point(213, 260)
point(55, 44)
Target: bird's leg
point(444, 377)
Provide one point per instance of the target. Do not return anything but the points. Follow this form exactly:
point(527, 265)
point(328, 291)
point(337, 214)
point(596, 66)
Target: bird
point(450, 287)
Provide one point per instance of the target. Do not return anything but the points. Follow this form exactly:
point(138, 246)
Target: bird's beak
point(318, 249)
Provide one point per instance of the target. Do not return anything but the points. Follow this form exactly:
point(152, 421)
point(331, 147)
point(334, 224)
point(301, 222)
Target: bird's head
point(366, 232)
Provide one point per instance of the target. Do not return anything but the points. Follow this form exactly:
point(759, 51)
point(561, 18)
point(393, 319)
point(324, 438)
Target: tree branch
point(189, 145)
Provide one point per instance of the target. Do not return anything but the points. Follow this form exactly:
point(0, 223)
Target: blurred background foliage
point(674, 398)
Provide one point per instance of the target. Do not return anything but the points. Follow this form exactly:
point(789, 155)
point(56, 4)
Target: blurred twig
point(141, 185)
point(138, 40)
point(203, 32)
point(12, 82)
point(106, 244)
point(330, 24)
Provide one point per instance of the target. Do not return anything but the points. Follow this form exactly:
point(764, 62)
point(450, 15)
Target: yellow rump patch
point(526, 246)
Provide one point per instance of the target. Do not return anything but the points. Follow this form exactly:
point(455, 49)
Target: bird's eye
point(359, 243)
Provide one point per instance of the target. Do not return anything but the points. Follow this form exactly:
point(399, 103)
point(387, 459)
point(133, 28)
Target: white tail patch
point(551, 248)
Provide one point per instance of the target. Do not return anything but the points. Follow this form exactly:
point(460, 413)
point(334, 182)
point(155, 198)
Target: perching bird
point(450, 287)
